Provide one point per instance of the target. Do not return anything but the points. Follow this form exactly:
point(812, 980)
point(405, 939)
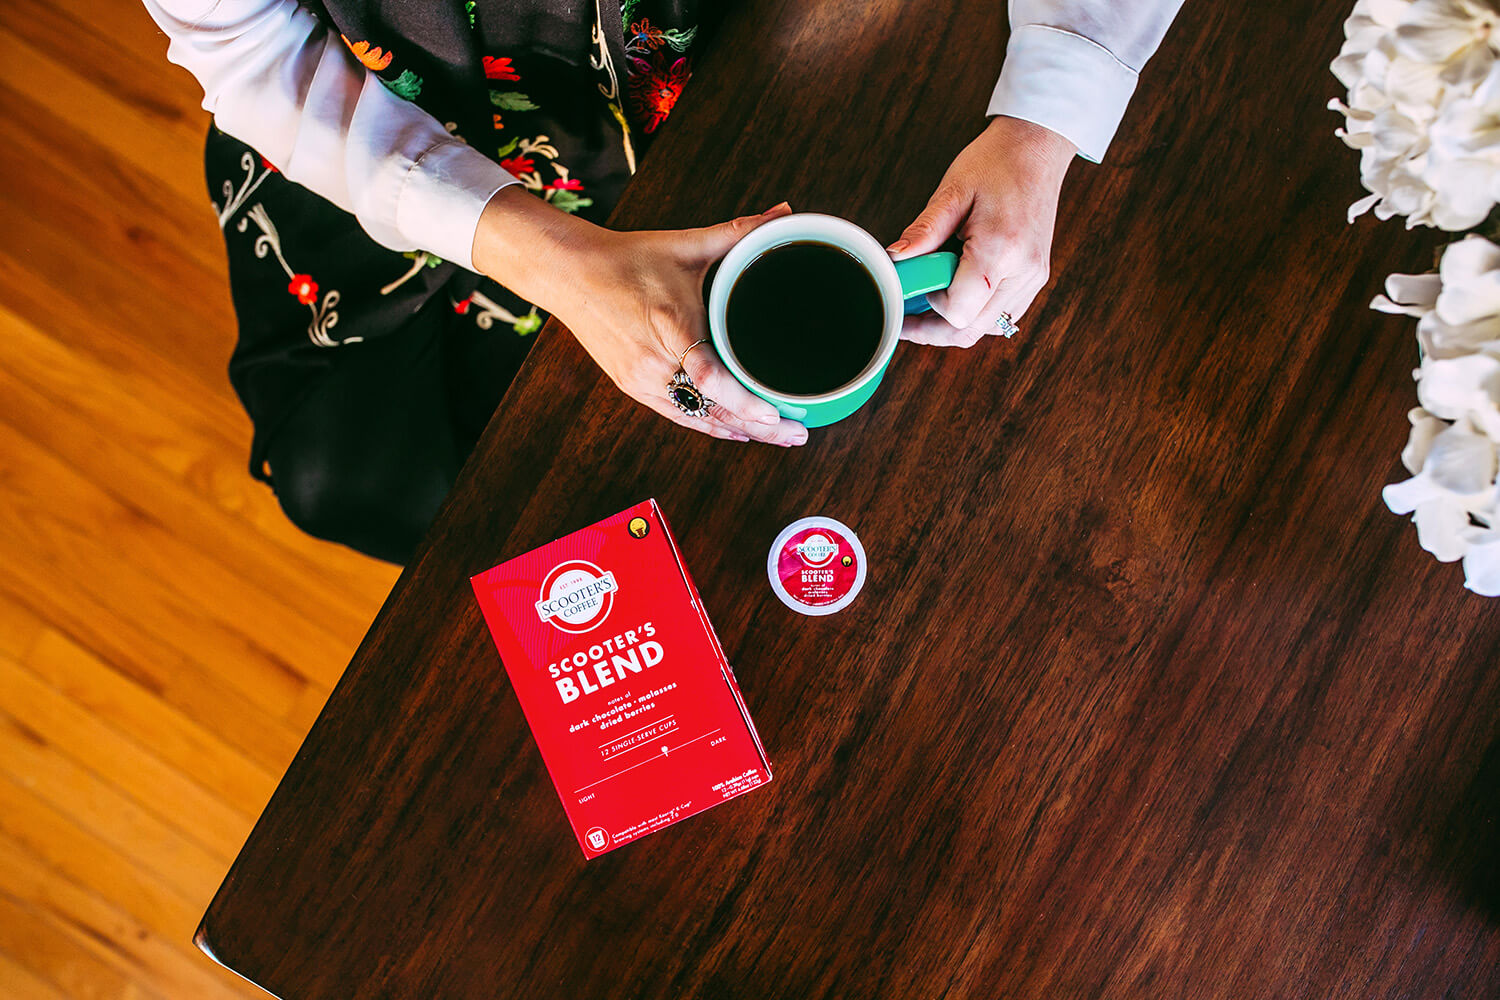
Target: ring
point(1007, 326)
point(683, 356)
point(686, 396)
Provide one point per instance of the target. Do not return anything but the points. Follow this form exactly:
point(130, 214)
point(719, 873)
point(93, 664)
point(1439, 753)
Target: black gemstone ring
point(686, 396)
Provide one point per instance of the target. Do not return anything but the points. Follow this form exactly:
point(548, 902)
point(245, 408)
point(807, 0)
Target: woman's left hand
point(1000, 196)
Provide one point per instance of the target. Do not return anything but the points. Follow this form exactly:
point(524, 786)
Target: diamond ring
point(1007, 326)
point(686, 396)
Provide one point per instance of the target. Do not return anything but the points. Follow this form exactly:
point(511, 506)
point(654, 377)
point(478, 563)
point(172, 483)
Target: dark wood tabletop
point(1147, 694)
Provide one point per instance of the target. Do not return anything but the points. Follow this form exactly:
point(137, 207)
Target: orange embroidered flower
point(518, 165)
point(304, 288)
point(498, 123)
point(499, 68)
point(373, 59)
point(643, 32)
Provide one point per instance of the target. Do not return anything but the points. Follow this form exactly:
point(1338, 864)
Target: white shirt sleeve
point(1071, 65)
point(274, 77)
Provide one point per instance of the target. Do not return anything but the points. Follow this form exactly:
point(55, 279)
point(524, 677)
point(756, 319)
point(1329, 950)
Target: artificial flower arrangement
point(1423, 109)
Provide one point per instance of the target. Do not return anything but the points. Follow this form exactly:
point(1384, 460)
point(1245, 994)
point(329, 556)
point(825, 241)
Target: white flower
point(1482, 561)
point(1454, 476)
point(1458, 308)
point(1452, 450)
point(1423, 108)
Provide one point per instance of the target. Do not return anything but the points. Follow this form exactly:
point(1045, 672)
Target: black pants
point(368, 374)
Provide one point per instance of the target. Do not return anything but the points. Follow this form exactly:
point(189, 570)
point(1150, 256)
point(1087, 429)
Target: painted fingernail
point(898, 246)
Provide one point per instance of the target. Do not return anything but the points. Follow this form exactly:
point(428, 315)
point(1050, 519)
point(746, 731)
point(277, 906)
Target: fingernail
point(898, 246)
point(773, 208)
point(772, 418)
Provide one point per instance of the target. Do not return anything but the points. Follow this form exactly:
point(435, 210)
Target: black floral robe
point(564, 94)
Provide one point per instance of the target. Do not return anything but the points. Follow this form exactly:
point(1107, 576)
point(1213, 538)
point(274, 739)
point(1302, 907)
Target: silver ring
point(686, 396)
point(1007, 326)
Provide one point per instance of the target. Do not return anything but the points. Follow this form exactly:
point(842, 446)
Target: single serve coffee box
point(621, 678)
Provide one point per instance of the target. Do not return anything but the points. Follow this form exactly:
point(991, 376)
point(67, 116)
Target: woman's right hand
point(635, 302)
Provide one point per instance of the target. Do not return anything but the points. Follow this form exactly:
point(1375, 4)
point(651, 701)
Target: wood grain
point(1146, 695)
point(166, 637)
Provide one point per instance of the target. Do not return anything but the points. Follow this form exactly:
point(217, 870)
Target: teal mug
point(903, 290)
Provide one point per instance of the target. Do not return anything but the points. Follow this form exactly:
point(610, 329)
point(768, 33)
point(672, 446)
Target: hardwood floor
point(166, 637)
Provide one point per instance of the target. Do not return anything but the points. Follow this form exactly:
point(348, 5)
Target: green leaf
point(569, 201)
point(509, 147)
point(679, 40)
point(511, 100)
point(407, 86)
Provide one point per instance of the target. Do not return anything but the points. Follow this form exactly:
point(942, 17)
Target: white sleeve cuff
point(1064, 82)
point(443, 197)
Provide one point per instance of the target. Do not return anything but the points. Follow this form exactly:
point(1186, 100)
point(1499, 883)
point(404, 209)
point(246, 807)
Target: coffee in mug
point(805, 318)
point(805, 312)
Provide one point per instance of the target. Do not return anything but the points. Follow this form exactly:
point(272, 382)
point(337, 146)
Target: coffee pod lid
point(816, 566)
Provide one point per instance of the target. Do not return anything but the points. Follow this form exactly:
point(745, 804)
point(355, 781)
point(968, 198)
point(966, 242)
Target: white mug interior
point(803, 227)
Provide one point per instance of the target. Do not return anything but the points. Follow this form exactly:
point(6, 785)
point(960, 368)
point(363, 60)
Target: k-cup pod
point(816, 566)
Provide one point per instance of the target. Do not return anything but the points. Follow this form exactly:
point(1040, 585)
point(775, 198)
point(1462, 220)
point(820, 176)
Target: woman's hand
point(635, 302)
point(1000, 196)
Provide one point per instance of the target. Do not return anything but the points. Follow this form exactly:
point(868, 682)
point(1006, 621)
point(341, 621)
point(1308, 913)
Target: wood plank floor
point(166, 637)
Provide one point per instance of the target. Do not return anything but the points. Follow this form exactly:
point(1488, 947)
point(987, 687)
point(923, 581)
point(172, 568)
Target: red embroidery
point(655, 87)
point(304, 287)
point(499, 68)
point(518, 165)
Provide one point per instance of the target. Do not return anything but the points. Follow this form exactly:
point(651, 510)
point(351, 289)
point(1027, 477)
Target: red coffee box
point(622, 679)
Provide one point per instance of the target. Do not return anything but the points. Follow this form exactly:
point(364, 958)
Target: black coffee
point(804, 318)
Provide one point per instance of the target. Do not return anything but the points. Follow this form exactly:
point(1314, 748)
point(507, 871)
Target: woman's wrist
point(531, 248)
point(1038, 147)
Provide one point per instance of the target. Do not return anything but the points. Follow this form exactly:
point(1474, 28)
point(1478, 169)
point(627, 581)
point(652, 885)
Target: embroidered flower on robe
point(304, 287)
point(655, 87)
point(499, 68)
point(645, 34)
point(518, 165)
point(530, 323)
point(406, 86)
point(373, 59)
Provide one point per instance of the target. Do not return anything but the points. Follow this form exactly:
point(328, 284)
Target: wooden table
point(1147, 694)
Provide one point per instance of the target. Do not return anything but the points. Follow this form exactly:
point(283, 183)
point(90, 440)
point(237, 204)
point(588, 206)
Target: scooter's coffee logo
point(817, 550)
point(576, 596)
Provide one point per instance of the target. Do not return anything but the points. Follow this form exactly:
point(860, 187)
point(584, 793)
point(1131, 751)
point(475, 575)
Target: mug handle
point(926, 273)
